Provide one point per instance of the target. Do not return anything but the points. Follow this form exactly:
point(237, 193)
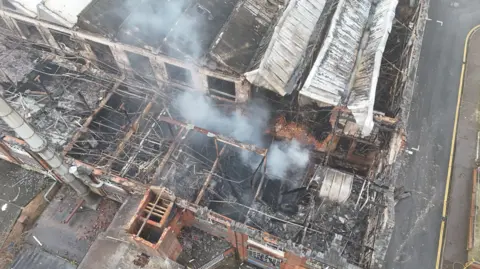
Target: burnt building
point(270, 125)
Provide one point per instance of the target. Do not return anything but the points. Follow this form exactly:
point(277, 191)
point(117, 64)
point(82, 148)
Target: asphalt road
point(417, 220)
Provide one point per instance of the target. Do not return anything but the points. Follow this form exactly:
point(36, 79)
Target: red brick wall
point(169, 244)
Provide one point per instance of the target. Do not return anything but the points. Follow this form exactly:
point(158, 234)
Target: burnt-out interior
point(199, 247)
point(146, 135)
point(309, 125)
point(7, 4)
point(392, 78)
point(221, 88)
point(305, 217)
point(54, 100)
point(98, 145)
point(140, 156)
point(148, 224)
point(179, 74)
point(262, 93)
point(66, 42)
point(241, 187)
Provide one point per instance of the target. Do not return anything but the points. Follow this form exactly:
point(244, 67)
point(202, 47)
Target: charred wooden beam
point(133, 129)
point(209, 177)
point(264, 172)
point(89, 120)
point(169, 153)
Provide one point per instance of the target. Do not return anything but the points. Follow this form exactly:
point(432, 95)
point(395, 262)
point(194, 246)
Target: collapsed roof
point(269, 42)
point(288, 45)
point(347, 67)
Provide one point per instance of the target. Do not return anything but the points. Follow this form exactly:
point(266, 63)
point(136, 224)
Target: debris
point(34, 237)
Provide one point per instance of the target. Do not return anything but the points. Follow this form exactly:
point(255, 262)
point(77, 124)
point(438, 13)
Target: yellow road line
point(452, 149)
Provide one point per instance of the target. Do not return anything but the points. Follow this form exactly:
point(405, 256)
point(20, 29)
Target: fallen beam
point(209, 177)
point(264, 172)
point(169, 153)
point(129, 134)
point(219, 137)
point(89, 120)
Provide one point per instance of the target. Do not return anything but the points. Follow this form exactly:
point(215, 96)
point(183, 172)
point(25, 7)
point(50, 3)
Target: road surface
point(417, 220)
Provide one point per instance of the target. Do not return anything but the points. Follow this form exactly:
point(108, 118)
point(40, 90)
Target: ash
point(199, 247)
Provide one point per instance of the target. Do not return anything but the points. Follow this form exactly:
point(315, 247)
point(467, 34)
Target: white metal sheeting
point(288, 45)
point(362, 96)
point(56, 11)
point(336, 186)
point(29, 7)
point(329, 78)
point(348, 65)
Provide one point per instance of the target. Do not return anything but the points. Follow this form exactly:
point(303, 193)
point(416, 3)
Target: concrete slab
point(73, 239)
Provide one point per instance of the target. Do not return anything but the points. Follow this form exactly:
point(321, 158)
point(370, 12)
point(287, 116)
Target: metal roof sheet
point(288, 45)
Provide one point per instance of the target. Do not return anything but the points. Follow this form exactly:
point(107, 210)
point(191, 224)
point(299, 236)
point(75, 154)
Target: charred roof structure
point(269, 125)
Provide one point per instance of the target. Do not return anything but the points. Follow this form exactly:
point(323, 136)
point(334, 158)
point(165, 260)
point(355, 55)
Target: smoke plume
point(282, 157)
point(286, 156)
point(159, 22)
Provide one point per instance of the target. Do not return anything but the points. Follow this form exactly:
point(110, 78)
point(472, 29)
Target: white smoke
point(162, 19)
point(282, 157)
point(286, 156)
point(200, 110)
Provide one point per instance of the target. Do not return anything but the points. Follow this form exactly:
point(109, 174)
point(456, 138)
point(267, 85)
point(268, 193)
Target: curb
point(441, 240)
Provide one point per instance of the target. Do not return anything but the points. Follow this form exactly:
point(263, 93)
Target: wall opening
point(343, 145)
point(105, 60)
point(363, 150)
point(151, 233)
point(221, 88)
point(179, 74)
point(274, 99)
point(66, 42)
point(30, 31)
point(141, 68)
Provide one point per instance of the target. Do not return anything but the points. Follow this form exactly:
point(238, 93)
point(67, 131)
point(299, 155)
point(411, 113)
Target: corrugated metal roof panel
point(241, 37)
point(329, 78)
point(288, 45)
point(344, 55)
point(362, 95)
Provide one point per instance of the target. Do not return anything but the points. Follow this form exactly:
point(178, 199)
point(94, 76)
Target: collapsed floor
point(133, 135)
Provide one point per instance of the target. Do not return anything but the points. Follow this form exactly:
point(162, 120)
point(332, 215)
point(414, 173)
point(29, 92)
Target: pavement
point(417, 220)
point(71, 240)
point(457, 227)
